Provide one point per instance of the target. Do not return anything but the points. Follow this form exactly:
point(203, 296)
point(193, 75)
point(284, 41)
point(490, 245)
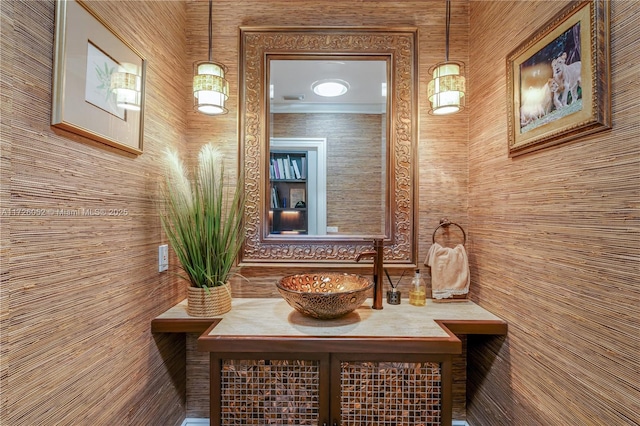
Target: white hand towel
point(449, 271)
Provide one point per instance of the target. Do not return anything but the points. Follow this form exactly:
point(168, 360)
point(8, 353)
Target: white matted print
point(100, 68)
point(87, 53)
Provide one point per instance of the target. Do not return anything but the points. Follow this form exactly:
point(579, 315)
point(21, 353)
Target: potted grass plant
point(202, 219)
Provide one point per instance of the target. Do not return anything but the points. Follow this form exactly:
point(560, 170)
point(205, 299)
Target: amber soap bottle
point(418, 291)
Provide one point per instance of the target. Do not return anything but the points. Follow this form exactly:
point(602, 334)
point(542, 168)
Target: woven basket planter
point(201, 304)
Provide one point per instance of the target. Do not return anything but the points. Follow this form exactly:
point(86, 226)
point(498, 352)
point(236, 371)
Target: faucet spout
point(377, 254)
point(365, 255)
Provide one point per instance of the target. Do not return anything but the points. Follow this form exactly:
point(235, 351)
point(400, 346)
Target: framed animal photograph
point(98, 81)
point(558, 80)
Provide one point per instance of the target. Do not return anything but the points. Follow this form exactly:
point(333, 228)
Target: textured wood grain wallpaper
point(78, 292)
point(555, 242)
point(442, 152)
point(442, 156)
point(553, 236)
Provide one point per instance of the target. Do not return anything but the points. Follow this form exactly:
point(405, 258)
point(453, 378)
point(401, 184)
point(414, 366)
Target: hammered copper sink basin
point(325, 295)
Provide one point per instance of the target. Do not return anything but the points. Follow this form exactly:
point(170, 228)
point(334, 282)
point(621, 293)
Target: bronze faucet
point(378, 269)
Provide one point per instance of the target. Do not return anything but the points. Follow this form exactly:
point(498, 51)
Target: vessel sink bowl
point(325, 295)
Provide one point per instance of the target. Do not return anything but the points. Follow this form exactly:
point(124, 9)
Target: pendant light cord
point(446, 30)
point(210, 30)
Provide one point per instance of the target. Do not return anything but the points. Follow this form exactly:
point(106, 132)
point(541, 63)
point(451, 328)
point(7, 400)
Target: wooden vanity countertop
point(270, 324)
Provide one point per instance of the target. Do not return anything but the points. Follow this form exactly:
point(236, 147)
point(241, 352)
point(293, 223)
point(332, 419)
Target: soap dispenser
point(418, 291)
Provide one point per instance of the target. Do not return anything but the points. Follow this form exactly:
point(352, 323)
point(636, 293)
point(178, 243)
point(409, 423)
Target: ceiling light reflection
point(330, 87)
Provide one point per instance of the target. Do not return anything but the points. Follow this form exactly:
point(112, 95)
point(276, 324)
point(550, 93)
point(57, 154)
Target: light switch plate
point(163, 258)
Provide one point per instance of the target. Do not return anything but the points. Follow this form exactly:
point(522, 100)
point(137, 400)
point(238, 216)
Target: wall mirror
point(326, 174)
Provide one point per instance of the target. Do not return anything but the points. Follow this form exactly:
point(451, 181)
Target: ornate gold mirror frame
point(399, 46)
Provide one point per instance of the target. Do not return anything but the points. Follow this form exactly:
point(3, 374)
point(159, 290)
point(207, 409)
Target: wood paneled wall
point(442, 144)
point(555, 242)
point(78, 293)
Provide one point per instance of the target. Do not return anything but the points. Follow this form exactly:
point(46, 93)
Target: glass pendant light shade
point(446, 90)
point(210, 88)
point(126, 84)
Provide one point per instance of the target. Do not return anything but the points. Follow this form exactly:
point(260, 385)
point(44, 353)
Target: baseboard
point(195, 422)
point(205, 422)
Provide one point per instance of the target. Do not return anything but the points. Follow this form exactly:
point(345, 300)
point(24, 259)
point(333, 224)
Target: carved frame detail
point(399, 44)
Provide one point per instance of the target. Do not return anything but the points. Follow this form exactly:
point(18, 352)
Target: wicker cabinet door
point(330, 389)
point(278, 391)
point(387, 393)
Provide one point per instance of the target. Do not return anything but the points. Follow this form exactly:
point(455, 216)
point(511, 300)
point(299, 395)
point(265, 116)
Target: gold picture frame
point(87, 52)
point(558, 80)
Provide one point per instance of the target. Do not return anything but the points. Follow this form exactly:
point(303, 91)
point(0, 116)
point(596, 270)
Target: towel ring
point(445, 223)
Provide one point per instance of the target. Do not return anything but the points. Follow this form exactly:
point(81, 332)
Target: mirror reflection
point(328, 146)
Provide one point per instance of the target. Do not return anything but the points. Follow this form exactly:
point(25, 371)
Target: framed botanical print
point(89, 57)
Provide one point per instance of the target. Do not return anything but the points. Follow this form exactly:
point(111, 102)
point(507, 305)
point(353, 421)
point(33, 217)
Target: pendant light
point(210, 88)
point(126, 84)
point(446, 90)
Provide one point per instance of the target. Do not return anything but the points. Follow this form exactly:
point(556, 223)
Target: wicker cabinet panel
point(330, 389)
point(270, 392)
point(390, 393)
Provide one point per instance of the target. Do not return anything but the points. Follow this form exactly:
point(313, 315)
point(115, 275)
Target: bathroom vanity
point(270, 364)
